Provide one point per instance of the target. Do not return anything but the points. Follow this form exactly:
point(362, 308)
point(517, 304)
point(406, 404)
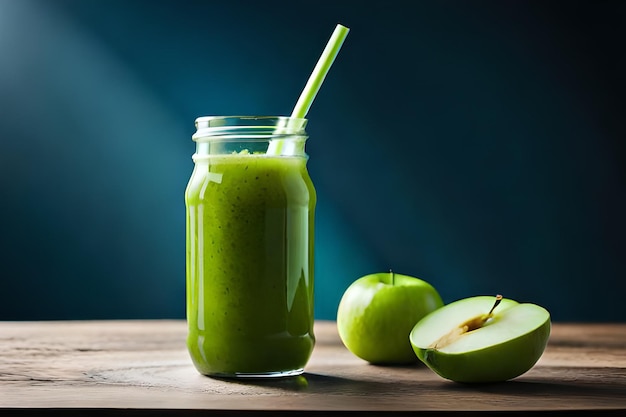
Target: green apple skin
point(505, 347)
point(377, 312)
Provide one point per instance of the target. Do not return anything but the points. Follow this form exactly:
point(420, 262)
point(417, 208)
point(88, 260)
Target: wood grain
point(142, 367)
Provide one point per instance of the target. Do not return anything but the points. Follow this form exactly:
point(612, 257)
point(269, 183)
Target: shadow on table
point(581, 384)
point(577, 382)
point(317, 383)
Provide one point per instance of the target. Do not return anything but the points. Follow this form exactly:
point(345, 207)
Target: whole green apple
point(482, 339)
point(378, 311)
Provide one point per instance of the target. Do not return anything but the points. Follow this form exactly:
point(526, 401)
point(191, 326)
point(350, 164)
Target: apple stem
point(393, 277)
point(498, 300)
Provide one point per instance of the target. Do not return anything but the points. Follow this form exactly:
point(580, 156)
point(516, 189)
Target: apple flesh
point(378, 311)
point(473, 340)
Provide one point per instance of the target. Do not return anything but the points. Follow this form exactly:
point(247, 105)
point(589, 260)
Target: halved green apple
point(482, 339)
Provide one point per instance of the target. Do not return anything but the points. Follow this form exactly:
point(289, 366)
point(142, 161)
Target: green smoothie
point(250, 264)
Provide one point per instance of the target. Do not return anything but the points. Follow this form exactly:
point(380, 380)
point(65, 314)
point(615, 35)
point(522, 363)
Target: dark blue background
point(478, 145)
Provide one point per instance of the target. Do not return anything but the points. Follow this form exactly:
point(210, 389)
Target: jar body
point(250, 240)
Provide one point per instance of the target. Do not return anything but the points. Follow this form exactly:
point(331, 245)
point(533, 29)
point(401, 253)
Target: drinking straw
point(319, 72)
point(315, 81)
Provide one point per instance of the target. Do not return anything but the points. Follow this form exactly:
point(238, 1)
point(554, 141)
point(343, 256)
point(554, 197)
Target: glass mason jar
point(250, 220)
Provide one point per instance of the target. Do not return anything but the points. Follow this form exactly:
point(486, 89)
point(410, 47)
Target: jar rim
point(236, 120)
point(220, 126)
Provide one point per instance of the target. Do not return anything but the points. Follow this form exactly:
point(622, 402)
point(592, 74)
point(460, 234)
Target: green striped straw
point(315, 81)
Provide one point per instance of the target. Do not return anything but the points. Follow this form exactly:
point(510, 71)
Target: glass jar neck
point(255, 135)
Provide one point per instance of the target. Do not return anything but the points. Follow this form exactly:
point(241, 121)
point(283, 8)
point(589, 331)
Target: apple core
point(469, 326)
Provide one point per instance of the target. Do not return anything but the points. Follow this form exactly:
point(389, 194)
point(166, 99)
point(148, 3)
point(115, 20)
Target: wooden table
point(140, 368)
